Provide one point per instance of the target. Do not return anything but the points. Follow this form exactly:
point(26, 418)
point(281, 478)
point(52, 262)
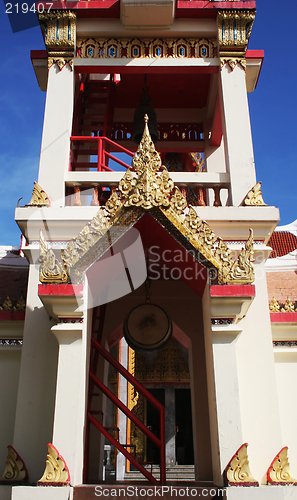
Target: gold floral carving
point(243, 267)
point(169, 365)
point(56, 470)
point(153, 184)
point(58, 28)
point(51, 270)
point(15, 469)
point(288, 307)
point(133, 394)
point(88, 236)
point(254, 196)
point(238, 472)
point(134, 48)
point(234, 29)
point(274, 306)
point(279, 471)
point(7, 305)
point(39, 197)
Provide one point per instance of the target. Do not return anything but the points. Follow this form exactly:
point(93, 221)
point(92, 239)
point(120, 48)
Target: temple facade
point(148, 338)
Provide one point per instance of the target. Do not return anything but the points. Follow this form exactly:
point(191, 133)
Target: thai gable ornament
point(148, 187)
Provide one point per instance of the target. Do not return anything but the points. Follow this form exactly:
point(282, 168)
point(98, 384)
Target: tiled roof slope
point(282, 243)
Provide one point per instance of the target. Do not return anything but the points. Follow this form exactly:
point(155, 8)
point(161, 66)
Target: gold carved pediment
point(147, 187)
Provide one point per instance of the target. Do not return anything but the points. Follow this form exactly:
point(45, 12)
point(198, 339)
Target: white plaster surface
point(41, 493)
point(286, 373)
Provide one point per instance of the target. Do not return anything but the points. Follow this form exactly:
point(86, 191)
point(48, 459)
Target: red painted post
point(99, 161)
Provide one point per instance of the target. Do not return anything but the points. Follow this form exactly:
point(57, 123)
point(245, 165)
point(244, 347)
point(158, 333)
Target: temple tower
point(147, 292)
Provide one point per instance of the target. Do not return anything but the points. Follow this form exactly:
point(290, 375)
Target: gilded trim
point(134, 48)
point(59, 30)
point(234, 29)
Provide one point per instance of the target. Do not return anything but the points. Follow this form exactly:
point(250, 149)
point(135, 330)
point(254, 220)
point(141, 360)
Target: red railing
point(159, 442)
point(100, 150)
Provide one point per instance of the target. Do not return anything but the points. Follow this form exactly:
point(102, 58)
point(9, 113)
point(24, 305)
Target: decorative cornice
point(234, 29)
point(288, 307)
point(274, 306)
point(39, 197)
point(237, 472)
point(56, 471)
point(58, 28)
point(51, 270)
point(15, 469)
point(134, 48)
point(279, 471)
point(8, 305)
point(254, 196)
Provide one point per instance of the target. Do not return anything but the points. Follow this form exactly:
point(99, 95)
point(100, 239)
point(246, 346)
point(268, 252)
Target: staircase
point(173, 473)
point(92, 117)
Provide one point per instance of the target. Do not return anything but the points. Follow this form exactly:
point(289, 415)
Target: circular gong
point(147, 327)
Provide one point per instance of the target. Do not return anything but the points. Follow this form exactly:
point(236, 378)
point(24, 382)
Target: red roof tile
point(282, 243)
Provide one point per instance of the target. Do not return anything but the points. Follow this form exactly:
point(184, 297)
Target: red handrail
point(160, 443)
point(101, 151)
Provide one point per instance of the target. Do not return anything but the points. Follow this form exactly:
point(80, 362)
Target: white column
point(123, 393)
point(70, 410)
point(237, 133)
point(37, 383)
point(257, 381)
point(55, 148)
point(227, 393)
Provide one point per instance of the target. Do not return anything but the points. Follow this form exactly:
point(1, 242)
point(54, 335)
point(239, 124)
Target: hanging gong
point(147, 327)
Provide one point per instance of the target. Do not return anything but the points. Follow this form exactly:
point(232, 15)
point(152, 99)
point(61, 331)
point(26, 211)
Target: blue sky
point(273, 110)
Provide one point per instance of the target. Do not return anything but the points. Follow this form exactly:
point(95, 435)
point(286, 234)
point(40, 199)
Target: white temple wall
point(286, 375)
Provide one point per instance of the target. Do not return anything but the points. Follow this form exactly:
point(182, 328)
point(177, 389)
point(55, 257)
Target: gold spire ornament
point(153, 185)
point(274, 306)
point(279, 470)
point(39, 197)
point(56, 471)
point(288, 307)
point(237, 472)
point(254, 196)
point(15, 469)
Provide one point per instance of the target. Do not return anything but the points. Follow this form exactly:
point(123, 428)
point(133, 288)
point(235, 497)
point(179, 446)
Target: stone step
point(205, 490)
point(175, 473)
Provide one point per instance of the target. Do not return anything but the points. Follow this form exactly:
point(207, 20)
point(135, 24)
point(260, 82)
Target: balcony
point(95, 172)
